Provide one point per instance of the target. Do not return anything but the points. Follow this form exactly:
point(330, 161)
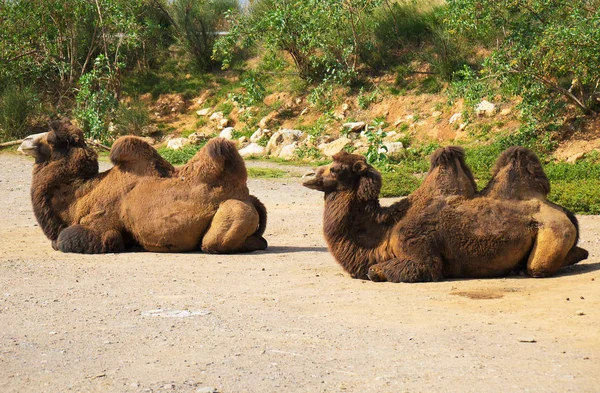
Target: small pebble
point(580, 312)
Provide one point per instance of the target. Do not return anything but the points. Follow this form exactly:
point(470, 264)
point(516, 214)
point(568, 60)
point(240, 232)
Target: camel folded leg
point(83, 240)
point(233, 229)
point(407, 270)
point(553, 248)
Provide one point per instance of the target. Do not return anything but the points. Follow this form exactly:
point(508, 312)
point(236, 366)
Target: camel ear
point(359, 167)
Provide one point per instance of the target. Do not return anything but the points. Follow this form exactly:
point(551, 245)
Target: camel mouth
point(310, 180)
point(30, 144)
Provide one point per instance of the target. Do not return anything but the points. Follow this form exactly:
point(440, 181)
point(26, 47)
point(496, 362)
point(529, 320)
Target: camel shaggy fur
point(435, 234)
point(142, 200)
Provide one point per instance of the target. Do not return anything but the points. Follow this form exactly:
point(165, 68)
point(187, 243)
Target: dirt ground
point(284, 320)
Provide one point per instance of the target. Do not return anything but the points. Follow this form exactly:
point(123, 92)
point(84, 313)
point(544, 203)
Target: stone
point(390, 136)
point(150, 129)
point(393, 149)
point(266, 121)
point(177, 143)
point(505, 112)
point(454, 118)
point(258, 134)
point(332, 148)
point(575, 157)
point(216, 117)
point(253, 149)
point(436, 113)
point(288, 151)
point(206, 389)
point(485, 108)
point(354, 126)
point(243, 139)
point(227, 133)
point(282, 138)
point(223, 123)
point(197, 138)
point(203, 112)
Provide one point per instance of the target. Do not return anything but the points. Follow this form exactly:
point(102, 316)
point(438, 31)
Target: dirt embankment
point(284, 320)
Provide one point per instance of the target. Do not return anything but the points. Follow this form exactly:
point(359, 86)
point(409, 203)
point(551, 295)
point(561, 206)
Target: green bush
point(131, 119)
point(399, 182)
point(198, 21)
point(17, 107)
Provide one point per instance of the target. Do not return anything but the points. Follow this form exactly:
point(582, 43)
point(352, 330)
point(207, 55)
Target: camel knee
point(81, 240)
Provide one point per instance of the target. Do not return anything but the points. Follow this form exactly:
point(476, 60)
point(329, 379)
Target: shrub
point(198, 22)
point(17, 107)
point(180, 156)
point(132, 119)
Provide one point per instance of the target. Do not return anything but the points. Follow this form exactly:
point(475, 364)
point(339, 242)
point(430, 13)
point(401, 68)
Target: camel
point(142, 200)
point(436, 234)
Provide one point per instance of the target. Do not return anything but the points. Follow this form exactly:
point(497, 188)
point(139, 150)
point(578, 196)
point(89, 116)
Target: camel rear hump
point(517, 174)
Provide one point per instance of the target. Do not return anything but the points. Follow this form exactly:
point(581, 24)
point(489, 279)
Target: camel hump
point(262, 215)
point(447, 155)
point(518, 174)
point(224, 151)
point(455, 176)
point(133, 154)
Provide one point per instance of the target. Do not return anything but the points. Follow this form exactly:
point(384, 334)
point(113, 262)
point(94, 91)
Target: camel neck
point(356, 229)
point(55, 188)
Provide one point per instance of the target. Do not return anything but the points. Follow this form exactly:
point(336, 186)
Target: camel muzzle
point(31, 143)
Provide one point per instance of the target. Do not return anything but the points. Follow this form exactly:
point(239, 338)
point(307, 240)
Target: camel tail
point(262, 215)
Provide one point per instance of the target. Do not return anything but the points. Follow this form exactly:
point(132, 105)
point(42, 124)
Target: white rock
point(282, 138)
point(454, 118)
point(485, 108)
point(354, 126)
point(288, 151)
point(393, 149)
point(409, 118)
point(332, 148)
point(216, 117)
point(203, 112)
point(258, 134)
point(227, 133)
point(196, 138)
point(436, 113)
point(390, 136)
point(253, 149)
point(505, 111)
point(177, 143)
point(222, 123)
point(243, 139)
point(575, 157)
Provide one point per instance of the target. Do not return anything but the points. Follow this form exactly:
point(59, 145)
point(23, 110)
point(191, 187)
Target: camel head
point(54, 144)
point(347, 172)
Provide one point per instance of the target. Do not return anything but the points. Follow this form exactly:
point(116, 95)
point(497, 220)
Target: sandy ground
point(284, 320)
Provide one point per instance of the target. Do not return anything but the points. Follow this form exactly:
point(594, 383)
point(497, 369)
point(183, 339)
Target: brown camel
point(449, 234)
point(142, 200)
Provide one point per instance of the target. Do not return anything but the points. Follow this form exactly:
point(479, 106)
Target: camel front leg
point(233, 229)
point(407, 269)
point(83, 240)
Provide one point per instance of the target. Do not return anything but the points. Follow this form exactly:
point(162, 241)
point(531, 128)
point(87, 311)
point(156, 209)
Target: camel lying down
point(445, 229)
point(142, 200)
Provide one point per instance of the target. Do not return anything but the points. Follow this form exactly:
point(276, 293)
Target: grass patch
point(399, 182)
point(181, 156)
point(267, 173)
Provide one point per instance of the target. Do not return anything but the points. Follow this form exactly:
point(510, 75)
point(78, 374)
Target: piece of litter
point(173, 313)
point(527, 340)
